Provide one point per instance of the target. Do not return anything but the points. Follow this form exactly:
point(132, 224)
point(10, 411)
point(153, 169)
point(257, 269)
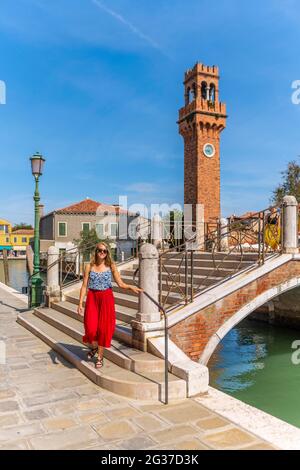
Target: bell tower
point(201, 122)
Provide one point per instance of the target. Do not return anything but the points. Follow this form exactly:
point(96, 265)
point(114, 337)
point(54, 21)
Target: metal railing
point(70, 264)
point(244, 242)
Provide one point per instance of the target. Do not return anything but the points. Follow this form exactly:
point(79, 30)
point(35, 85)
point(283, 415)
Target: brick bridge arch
point(203, 325)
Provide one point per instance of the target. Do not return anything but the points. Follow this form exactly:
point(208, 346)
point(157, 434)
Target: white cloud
point(128, 24)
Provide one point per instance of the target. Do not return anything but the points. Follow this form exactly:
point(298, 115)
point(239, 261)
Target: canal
point(253, 363)
point(18, 274)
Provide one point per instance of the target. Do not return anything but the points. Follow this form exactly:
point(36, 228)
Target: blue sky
point(96, 87)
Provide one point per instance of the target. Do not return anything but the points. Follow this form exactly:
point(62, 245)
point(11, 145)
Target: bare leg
point(100, 352)
point(99, 362)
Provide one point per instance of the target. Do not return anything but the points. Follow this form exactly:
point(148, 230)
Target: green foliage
point(22, 225)
point(290, 185)
point(87, 242)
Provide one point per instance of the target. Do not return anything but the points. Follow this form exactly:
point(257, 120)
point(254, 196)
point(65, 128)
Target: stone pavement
point(46, 403)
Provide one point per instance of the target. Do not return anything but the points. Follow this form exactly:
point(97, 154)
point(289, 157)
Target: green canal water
point(253, 363)
point(18, 274)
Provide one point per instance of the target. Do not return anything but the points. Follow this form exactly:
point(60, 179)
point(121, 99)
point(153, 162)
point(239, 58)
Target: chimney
point(41, 210)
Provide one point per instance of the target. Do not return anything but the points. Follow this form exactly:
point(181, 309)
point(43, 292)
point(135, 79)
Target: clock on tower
point(201, 122)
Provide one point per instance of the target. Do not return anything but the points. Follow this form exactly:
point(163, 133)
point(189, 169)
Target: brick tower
point(201, 122)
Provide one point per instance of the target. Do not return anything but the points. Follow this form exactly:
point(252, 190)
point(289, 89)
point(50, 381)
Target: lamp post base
point(36, 297)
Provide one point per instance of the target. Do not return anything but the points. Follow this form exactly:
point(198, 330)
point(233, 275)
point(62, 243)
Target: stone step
point(129, 299)
point(123, 332)
point(201, 255)
point(206, 263)
point(119, 353)
point(226, 264)
point(123, 313)
point(141, 386)
point(126, 300)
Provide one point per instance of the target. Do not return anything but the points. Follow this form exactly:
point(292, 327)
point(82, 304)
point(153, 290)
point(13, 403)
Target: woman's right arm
point(83, 289)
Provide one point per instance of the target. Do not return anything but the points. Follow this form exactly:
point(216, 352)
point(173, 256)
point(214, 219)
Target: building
point(20, 239)
point(5, 232)
point(14, 241)
point(201, 122)
point(62, 227)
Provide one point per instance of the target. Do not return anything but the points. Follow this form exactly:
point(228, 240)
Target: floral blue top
point(100, 281)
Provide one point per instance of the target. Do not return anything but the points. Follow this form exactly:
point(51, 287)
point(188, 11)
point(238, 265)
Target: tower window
point(187, 96)
point(212, 93)
point(194, 91)
point(204, 90)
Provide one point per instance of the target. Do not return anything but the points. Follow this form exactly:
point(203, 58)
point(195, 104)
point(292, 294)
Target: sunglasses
point(100, 250)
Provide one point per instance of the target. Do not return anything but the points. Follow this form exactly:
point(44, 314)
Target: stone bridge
point(134, 365)
point(199, 328)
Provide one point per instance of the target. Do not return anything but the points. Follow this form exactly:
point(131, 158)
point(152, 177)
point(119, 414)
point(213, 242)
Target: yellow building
point(14, 241)
point(20, 239)
point(5, 235)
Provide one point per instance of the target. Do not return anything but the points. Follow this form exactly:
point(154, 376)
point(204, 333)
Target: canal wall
point(284, 310)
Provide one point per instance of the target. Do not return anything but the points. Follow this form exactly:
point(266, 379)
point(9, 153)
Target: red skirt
point(99, 317)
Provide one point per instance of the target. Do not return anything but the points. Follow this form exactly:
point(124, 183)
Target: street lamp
point(37, 165)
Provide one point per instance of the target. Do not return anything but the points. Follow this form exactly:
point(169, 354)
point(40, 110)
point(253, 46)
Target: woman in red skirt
point(99, 312)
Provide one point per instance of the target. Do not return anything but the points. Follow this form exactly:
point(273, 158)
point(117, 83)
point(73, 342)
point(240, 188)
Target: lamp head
point(37, 164)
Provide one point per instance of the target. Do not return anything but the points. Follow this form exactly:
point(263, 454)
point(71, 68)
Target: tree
point(22, 225)
point(290, 185)
point(87, 242)
point(173, 228)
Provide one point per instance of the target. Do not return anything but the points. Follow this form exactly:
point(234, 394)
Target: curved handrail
point(240, 235)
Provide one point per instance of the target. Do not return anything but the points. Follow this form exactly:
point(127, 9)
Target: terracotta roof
point(23, 231)
point(88, 206)
point(248, 215)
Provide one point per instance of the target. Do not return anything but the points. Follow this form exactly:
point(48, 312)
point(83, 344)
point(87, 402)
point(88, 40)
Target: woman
point(99, 312)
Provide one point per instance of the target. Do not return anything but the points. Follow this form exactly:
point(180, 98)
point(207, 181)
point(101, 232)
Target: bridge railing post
point(224, 243)
point(290, 225)
point(156, 231)
point(53, 288)
point(148, 280)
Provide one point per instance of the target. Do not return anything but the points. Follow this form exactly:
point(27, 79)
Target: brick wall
point(193, 333)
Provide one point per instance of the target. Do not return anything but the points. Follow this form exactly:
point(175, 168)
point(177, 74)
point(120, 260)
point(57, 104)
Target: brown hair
point(108, 259)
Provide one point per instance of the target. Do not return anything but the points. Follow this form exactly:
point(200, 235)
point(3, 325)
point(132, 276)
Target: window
point(204, 90)
point(4, 228)
point(62, 229)
point(212, 92)
point(7, 240)
point(113, 230)
point(100, 230)
point(24, 240)
point(15, 239)
point(86, 226)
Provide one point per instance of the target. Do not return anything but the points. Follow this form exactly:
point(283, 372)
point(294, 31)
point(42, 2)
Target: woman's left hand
point(136, 289)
